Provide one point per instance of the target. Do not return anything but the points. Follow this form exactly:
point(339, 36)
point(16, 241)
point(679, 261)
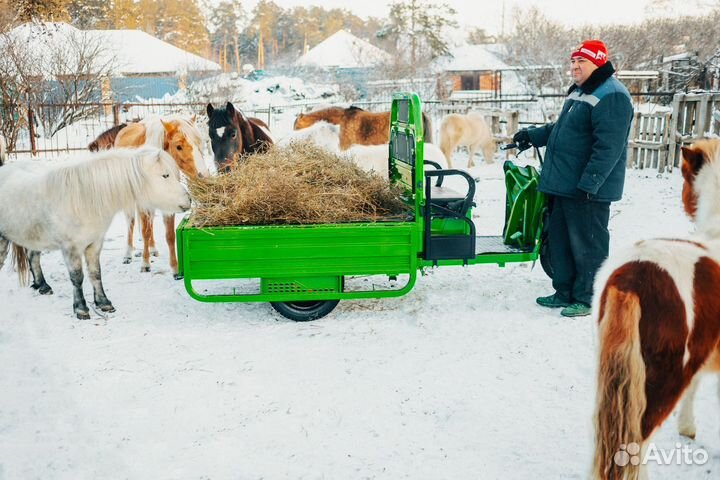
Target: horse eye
point(166, 175)
point(233, 135)
point(179, 147)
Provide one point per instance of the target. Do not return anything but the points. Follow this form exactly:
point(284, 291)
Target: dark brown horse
point(241, 135)
point(106, 140)
point(357, 127)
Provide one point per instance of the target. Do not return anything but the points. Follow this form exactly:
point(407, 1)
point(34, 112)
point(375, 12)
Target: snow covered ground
point(464, 377)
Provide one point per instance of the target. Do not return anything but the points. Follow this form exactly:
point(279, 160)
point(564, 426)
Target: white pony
point(323, 134)
point(375, 157)
point(70, 205)
point(469, 130)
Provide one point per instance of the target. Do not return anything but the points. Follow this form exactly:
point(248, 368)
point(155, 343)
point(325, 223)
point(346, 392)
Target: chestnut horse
point(233, 135)
point(659, 322)
point(357, 127)
point(181, 139)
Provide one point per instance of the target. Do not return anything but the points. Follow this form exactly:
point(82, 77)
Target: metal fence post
point(31, 131)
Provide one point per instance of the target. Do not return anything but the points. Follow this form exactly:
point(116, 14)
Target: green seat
point(524, 205)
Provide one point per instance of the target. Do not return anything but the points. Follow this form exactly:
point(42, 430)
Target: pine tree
point(88, 14)
point(182, 24)
point(124, 14)
point(422, 24)
point(225, 20)
point(44, 10)
point(263, 23)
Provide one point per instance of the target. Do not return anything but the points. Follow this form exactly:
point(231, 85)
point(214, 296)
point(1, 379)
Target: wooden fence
point(648, 142)
point(695, 115)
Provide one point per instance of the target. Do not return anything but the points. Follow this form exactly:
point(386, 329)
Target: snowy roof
point(344, 50)
point(472, 57)
point(133, 52)
point(138, 52)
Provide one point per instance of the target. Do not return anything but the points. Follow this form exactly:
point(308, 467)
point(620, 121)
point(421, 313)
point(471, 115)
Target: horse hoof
point(144, 269)
point(35, 286)
point(688, 433)
point(106, 308)
point(83, 315)
point(177, 276)
point(127, 260)
point(45, 290)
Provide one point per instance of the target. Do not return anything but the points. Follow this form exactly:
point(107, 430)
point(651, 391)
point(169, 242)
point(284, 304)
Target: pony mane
point(189, 130)
point(154, 131)
point(97, 184)
point(325, 110)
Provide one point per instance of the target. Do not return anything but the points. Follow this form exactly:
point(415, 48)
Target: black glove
point(522, 137)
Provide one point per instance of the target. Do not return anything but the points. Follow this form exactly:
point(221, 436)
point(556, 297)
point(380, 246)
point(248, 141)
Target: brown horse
point(659, 317)
point(106, 140)
point(240, 135)
point(357, 127)
point(181, 139)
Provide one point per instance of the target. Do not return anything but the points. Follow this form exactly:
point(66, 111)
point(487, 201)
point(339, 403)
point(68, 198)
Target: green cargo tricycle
point(305, 270)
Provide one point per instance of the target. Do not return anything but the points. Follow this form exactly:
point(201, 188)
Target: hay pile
point(296, 184)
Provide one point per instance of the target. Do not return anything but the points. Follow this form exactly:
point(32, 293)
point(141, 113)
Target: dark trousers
point(578, 242)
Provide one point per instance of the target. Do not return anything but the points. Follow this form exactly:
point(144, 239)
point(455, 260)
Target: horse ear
point(168, 126)
point(230, 108)
point(210, 110)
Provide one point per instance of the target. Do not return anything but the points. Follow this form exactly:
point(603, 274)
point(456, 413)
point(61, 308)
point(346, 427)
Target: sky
point(488, 14)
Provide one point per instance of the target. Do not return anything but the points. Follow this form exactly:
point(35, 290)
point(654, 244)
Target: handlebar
point(521, 147)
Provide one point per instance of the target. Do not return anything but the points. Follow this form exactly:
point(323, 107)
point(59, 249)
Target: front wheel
point(305, 311)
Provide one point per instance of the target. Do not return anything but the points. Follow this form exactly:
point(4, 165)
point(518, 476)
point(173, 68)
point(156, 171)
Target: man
point(584, 170)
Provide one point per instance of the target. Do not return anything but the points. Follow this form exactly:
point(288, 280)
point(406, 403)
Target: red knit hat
point(593, 50)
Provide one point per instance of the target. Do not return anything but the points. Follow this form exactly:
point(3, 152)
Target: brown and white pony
point(106, 140)
point(357, 127)
point(181, 139)
point(233, 135)
point(470, 130)
point(659, 323)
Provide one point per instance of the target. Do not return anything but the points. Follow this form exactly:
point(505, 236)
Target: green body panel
point(310, 262)
point(313, 256)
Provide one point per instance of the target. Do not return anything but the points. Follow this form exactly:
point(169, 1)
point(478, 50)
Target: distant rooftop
point(344, 50)
point(135, 52)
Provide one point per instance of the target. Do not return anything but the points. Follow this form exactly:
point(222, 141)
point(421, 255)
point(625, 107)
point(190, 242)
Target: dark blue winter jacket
point(587, 146)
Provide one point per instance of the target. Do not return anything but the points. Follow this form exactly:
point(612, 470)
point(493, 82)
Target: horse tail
point(621, 398)
point(427, 128)
point(21, 263)
point(106, 139)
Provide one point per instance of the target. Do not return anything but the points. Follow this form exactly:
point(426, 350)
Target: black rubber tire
point(305, 311)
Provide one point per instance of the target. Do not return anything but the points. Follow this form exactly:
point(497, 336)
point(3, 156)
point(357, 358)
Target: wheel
point(305, 311)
